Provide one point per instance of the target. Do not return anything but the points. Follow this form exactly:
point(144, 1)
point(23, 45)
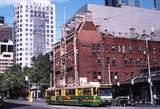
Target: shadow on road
point(13, 105)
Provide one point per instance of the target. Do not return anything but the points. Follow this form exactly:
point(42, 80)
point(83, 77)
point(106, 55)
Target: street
point(22, 104)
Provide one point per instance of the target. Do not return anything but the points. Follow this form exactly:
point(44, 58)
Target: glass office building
point(157, 4)
point(137, 3)
point(115, 3)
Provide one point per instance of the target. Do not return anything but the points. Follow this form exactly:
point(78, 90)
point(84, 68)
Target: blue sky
point(72, 6)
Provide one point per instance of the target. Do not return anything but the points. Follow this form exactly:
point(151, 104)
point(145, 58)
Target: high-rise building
point(34, 29)
point(137, 3)
point(116, 3)
point(113, 3)
point(1, 20)
point(6, 55)
point(5, 31)
point(157, 4)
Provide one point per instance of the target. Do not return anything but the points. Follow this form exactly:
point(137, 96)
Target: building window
point(107, 60)
point(96, 47)
point(154, 50)
point(94, 75)
point(131, 61)
point(132, 74)
point(142, 50)
point(113, 48)
point(126, 75)
point(119, 49)
point(130, 49)
point(112, 76)
point(138, 62)
point(116, 77)
point(99, 60)
point(114, 61)
point(99, 75)
point(125, 61)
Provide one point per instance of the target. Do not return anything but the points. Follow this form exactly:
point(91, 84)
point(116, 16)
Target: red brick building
point(87, 55)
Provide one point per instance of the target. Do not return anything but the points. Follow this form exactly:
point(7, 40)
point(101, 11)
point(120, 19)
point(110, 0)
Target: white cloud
point(60, 1)
point(7, 2)
point(10, 2)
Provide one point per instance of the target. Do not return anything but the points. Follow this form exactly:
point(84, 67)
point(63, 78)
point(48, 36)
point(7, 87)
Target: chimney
point(88, 16)
point(132, 31)
point(78, 20)
point(99, 28)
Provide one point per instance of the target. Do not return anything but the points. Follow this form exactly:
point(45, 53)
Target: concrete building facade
point(34, 29)
point(6, 55)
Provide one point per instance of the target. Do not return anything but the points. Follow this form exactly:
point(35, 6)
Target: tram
point(89, 95)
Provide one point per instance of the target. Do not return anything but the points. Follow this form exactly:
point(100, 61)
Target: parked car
point(123, 101)
point(1, 103)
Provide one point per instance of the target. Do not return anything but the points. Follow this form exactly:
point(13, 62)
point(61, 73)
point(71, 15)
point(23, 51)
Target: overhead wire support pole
point(54, 67)
point(149, 73)
point(109, 74)
point(65, 52)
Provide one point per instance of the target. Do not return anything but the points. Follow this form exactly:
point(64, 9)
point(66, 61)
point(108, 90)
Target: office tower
point(136, 3)
point(5, 31)
point(34, 29)
point(6, 55)
point(1, 20)
point(157, 4)
point(113, 3)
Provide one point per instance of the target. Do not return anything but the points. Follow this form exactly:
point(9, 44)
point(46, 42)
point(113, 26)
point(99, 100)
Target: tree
point(41, 69)
point(13, 80)
point(14, 77)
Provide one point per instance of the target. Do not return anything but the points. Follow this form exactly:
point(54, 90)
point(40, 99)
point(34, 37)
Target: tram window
point(84, 91)
point(72, 91)
point(105, 92)
point(48, 93)
point(67, 92)
point(59, 92)
point(94, 91)
point(87, 91)
point(52, 93)
point(80, 92)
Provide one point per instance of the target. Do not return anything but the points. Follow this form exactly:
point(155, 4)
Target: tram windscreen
point(105, 92)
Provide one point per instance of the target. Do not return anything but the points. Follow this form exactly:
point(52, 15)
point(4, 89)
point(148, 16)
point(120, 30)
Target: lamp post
point(149, 72)
point(30, 93)
point(109, 74)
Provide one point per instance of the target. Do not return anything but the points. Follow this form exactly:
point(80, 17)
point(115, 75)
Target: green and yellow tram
point(82, 95)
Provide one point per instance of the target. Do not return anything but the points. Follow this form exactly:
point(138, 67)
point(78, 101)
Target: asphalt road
point(22, 104)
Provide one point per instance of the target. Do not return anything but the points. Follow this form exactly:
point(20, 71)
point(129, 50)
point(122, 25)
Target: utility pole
point(149, 72)
point(109, 74)
point(54, 67)
point(75, 61)
point(65, 46)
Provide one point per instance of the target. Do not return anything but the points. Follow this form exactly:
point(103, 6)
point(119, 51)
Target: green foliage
point(14, 76)
point(41, 69)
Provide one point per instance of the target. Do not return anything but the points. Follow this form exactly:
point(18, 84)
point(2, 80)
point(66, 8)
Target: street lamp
point(149, 72)
point(30, 93)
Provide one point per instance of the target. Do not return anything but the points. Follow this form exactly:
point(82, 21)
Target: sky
point(71, 6)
